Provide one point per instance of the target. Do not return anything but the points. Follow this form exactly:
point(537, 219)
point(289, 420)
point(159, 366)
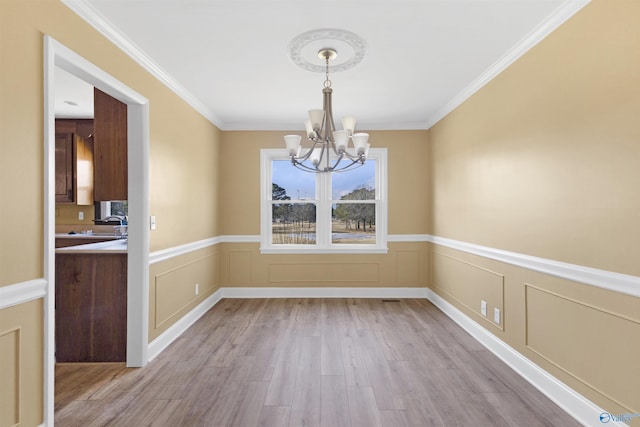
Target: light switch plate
point(483, 308)
point(496, 315)
point(152, 222)
point(80, 215)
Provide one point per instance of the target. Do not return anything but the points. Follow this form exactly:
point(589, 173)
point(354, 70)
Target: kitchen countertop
point(105, 236)
point(118, 246)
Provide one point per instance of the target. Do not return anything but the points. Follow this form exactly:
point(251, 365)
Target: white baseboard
point(576, 405)
point(167, 337)
point(324, 292)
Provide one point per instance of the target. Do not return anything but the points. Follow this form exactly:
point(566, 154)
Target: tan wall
point(183, 166)
point(544, 161)
point(68, 214)
point(408, 187)
point(408, 179)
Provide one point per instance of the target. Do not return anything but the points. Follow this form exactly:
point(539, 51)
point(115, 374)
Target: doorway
point(57, 55)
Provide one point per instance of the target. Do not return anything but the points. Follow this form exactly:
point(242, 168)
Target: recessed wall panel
point(324, 272)
point(240, 267)
point(408, 265)
point(175, 289)
point(469, 284)
point(592, 344)
point(10, 377)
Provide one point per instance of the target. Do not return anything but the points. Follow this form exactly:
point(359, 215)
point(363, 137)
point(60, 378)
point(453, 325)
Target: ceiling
point(229, 58)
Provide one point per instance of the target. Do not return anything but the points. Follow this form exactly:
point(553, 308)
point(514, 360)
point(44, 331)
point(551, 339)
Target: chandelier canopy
point(331, 151)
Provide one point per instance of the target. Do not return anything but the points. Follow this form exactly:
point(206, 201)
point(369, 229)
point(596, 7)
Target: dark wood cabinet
point(91, 307)
point(74, 161)
point(110, 147)
point(64, 168)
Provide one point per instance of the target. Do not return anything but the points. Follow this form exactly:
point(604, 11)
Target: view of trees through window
point(295, 202)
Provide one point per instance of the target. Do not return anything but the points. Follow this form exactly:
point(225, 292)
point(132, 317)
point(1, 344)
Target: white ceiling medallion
point(303, 50)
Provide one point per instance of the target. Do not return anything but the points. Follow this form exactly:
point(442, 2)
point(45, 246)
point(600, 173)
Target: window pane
point(293, 224)
point(354, 223)
point(290, 183)
point(345, 185)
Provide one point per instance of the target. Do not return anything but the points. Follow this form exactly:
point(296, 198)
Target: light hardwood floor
point(310, 362)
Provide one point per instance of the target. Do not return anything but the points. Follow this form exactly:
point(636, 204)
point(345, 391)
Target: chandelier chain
point(327, 82)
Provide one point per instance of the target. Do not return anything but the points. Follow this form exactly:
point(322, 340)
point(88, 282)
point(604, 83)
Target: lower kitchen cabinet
point(91, 307)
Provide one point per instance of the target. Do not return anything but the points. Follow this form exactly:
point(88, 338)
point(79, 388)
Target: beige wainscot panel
point(468, 282)
point(172, 288)
point(405, 265)
point(587, 337)
point(594, 341)
point(21, 375)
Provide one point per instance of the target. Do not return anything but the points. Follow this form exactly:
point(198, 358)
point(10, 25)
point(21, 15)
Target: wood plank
point(334, 403)
point(305, 409)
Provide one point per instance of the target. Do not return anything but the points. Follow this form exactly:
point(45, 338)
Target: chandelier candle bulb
point(360, 142)
point(316, 117)
point(316, 156)
point(310, 133)
point(341, 137)
point(349, 123)
point(292, 142)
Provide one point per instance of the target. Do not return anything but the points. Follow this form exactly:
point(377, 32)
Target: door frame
point(58, 55)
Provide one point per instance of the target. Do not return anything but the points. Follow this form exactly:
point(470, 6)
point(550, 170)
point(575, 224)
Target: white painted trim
point(165, 254)
point(272, 292)
point(58, 55)
point(167, 337)
point(565, 11)
point(248, 238)
point(20, 293)
point(617, 282)
point(576, 405)
point(408, 238)
point(101, 24)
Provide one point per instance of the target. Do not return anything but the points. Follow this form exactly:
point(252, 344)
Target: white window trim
point(322, 246)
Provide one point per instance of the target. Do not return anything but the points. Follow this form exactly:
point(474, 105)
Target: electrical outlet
point(80, 215)
point(496, 315)
point(197, 289)
point(483, 308)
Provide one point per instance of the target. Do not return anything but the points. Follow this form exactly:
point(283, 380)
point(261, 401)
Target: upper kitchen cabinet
point(74, 161)
point(110, 147)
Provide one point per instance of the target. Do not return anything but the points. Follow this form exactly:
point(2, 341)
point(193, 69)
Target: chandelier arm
point(304, 167)
point(350, 166)
point(308, 153)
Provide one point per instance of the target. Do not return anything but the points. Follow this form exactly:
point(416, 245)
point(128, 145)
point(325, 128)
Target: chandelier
point(331, 151)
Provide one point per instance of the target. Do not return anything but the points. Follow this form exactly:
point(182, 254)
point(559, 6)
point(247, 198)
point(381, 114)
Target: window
point(304, 212)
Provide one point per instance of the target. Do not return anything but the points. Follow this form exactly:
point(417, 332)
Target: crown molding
point(101, 24)
point(565, 11)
